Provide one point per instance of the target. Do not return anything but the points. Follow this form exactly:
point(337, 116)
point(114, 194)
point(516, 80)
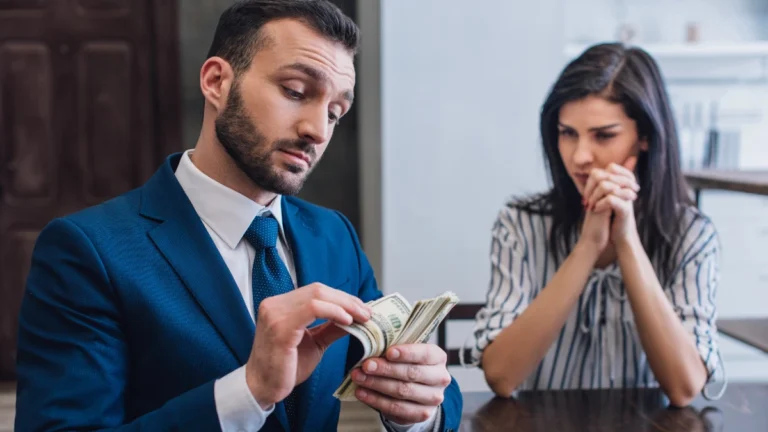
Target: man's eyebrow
point(317, 75)
point(308, 70)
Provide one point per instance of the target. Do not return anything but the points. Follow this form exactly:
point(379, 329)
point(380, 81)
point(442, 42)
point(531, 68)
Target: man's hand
point(407, 386)
point(285, 351)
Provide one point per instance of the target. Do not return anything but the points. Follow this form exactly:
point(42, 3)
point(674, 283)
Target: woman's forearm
point(520, 347)
point(671, 351)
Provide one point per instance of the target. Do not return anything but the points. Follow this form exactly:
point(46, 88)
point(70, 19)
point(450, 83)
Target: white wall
point(449, 96)
point(450, 126)
point(460, 93)
point(666, 20)
point(458, 97)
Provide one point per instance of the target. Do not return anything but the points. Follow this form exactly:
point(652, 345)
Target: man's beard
point(252, 153)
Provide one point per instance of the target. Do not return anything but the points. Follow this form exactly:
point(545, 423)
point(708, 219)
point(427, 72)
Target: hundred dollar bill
point(393, 321)
point(388, 315)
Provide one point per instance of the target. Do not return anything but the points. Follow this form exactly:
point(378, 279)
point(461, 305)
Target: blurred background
point(94, 94)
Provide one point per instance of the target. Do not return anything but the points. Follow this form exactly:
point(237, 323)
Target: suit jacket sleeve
point(72, 363)
point(453, 402)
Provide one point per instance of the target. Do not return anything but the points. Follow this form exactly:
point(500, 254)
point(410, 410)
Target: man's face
point(280, 113)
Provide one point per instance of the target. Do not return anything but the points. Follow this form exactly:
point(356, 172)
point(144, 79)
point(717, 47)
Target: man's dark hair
point(238, 35)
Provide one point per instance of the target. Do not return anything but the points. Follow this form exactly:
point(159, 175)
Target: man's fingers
point(327, 333)
point(313, 309)
point(435, 375)
point(351, 304)
point(424, 354)
point(300, 308)
point(400, 390)
point(399, 411)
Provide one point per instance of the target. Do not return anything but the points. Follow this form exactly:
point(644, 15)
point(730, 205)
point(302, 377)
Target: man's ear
point(216, 78)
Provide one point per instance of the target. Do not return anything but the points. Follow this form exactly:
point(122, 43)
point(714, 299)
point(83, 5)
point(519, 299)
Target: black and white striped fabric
point(599, 346)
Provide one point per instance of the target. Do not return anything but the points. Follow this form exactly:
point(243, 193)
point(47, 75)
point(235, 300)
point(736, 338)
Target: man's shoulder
point(321, 215)
point(104, 219)
point(329, 223)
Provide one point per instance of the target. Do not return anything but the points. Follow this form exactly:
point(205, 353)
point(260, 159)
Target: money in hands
point(394, 322)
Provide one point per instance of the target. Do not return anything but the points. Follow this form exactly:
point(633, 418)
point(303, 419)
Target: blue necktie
point(270, 276)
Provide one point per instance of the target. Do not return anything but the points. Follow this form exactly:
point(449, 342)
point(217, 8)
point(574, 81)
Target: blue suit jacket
point(130, 315)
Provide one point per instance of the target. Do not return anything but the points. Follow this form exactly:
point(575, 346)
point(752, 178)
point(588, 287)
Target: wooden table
point(753, 182)
point(752, 332)
point(743, 408)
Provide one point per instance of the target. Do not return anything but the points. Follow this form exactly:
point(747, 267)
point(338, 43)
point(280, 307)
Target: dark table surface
point(743, 408)
point(754, 182)
point(750, 331)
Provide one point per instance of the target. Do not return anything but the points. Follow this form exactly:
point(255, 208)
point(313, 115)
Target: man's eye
point(293, 94)
point(333, 118)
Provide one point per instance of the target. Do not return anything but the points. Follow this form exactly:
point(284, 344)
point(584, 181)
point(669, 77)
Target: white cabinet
point(742, 223)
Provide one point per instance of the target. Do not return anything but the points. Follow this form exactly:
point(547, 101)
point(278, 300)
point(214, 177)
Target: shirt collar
point(227, 212)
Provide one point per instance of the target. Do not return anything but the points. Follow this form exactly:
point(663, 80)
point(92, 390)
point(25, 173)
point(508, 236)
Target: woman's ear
point(643, 144)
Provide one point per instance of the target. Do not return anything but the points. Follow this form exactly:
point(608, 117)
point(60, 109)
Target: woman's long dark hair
point(630, 77)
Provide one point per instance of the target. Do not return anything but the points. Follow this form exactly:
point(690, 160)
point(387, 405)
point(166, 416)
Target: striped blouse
point(599, 346)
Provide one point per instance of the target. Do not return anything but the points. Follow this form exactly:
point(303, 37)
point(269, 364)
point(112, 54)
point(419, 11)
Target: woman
point(608, 279)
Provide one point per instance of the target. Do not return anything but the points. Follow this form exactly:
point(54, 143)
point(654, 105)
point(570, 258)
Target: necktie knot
point(262, 233)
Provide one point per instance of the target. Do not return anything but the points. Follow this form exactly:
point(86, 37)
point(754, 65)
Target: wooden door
point(88, 110)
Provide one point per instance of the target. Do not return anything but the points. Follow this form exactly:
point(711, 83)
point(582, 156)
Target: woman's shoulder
point(693, 219)
point(529, 207)
point(524, 216)
point(698, 233)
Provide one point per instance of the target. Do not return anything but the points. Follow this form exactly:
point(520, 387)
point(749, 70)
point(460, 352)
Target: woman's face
point(593, 133)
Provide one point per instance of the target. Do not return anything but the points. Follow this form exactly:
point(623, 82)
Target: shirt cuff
point(235, 404)
point(432, 424)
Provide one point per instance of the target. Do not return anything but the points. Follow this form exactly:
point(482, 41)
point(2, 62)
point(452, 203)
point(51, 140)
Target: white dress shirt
point(226, 215)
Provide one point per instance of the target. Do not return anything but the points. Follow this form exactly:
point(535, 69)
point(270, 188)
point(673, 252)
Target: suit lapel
point(310, 253)
point(308, 247)
point(183, 240)
point(186, 245)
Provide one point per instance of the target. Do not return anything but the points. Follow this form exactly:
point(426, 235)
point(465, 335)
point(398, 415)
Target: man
point(139, 313)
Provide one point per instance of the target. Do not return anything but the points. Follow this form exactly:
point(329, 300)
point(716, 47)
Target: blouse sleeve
point(692, 289)
point(509, 291)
